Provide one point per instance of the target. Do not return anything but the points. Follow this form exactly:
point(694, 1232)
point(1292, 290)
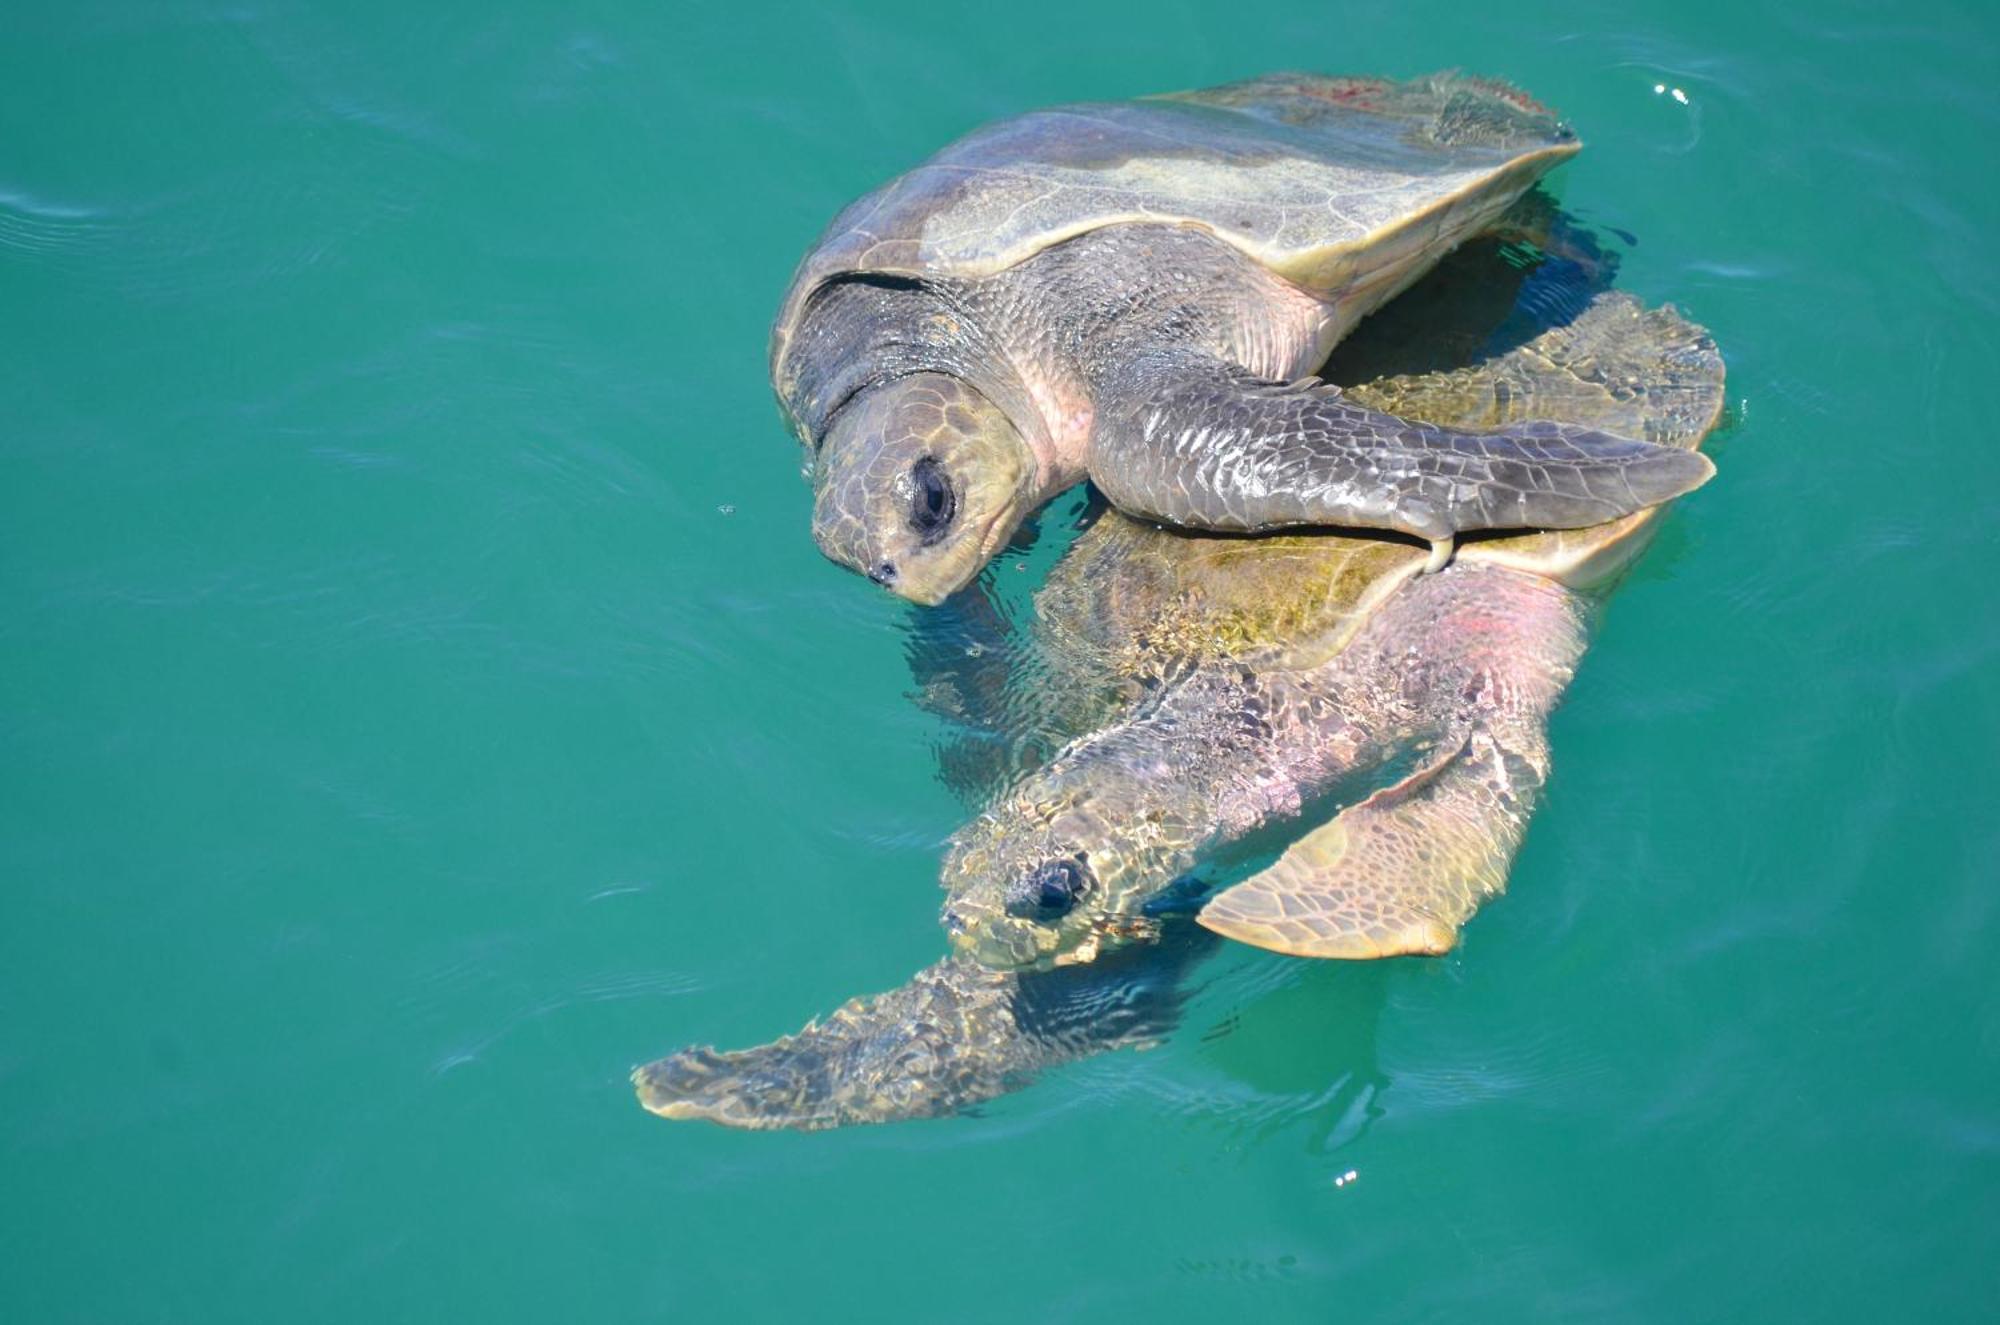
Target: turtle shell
point(1133, 602)
point(1137, 604)
point(1302, 173)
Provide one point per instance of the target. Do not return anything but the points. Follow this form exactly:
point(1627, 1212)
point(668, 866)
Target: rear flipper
point(1183, 437)
point(956, 1035)
point(1617, 366)
point(1398, 873)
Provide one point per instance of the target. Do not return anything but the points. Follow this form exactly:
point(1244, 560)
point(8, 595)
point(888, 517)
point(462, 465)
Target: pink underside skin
point(1066, 417)
point(1474, 647)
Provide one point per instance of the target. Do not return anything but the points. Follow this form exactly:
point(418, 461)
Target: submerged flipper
point(1617, 366)
point(946, 1039)
point(957, 1034)
point(1186, 438)
point(1398, 873)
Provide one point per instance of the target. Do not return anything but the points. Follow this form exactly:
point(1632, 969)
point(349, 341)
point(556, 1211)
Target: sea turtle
point(1288, 674)
point(1227, 663)
point(1123, 290)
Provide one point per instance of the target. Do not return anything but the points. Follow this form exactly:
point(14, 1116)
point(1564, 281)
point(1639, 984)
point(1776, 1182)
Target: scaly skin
point(955, 1035)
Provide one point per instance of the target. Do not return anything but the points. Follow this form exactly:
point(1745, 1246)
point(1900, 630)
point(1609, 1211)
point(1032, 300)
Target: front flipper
point(946, 1039)
point(1398, 873)
point(1183, 437)
point(955, 1035)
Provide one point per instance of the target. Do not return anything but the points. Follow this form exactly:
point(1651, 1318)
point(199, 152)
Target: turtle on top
point(1138, 293)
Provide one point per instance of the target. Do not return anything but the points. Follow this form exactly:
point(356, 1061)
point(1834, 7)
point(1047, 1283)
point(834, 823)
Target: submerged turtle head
point(1063, 874)
point(919, 482)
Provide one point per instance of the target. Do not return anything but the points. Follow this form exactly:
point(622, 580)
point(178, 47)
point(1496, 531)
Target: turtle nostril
point(884, 573)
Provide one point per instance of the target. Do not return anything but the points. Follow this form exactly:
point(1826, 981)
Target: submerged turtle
point(1287, 674)
point(1121, 291)
point(1261, 679)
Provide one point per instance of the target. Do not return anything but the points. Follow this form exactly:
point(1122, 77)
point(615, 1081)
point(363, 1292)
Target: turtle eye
point(1049, 892)
point(932, 502)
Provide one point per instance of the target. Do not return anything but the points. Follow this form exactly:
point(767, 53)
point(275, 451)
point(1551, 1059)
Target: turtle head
point(919, 482)
point(1049, 879)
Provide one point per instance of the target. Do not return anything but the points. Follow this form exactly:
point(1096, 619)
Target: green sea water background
point(422, 702)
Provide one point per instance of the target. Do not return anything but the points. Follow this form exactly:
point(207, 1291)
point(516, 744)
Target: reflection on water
point(1297, 1044)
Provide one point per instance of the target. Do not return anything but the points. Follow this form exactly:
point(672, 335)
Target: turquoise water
point(422, 703)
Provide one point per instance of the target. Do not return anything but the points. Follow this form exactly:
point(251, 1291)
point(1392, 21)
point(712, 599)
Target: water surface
point(423, 702)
